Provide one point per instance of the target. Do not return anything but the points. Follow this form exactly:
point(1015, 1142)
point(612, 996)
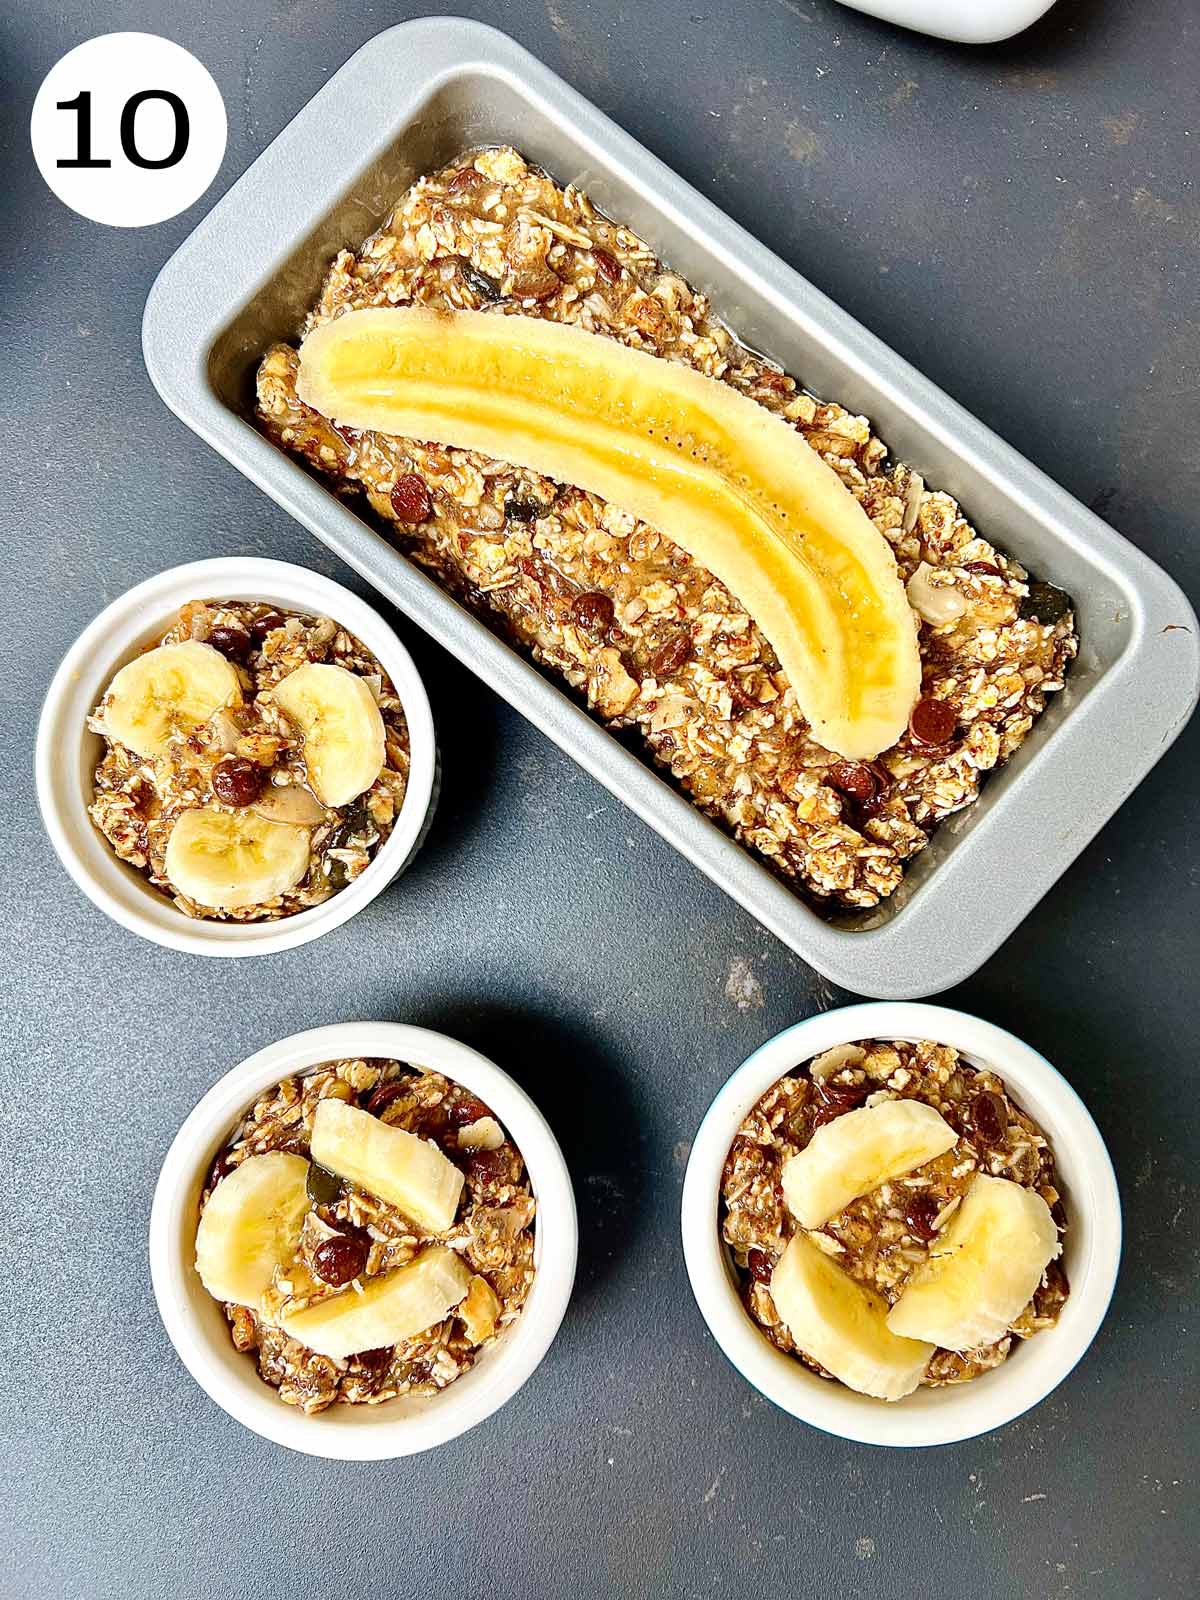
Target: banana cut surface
point(733, 485)
point(171, 689)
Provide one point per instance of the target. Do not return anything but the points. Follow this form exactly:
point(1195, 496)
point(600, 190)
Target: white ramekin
point(197, 1324)
point(67, 752)
point(1091, 1246)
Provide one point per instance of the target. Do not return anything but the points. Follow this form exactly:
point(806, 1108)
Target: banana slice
point(736, 487)
point(982, 1271)
point(409, 1173)
point(393, 1306)
point(344, 746)
point(226, 859)
point(858, 1151)
point(251, 1225)
point(169, 690)
point(843, 1324)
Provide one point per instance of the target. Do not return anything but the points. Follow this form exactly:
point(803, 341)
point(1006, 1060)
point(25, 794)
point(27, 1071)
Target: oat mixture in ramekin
point(349, 1236)
point(881, 1238)
point(249, 758)
point(632, 622)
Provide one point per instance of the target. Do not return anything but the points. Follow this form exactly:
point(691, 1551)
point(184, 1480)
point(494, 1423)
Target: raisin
point(989, 1117)
point(524, 510)
point(323, 1186)
point(986, 569)
point(467, 1110)
point(855, 779)
point(343, 1257)
point(836, 1098)
point(411, 500)
point(607, 266)
point(919, 1215)
point(593, 611)
point(236, 781)
point(1045, 604)
point(671, 655)
point(233, 642)
point(376, 1362)
point(262, 626)
point(760, 1265)
point(382, 1096)
point(222, 1167)
point(933, 722)
point(488, 1166)
point(464, 179)
point(480, 285)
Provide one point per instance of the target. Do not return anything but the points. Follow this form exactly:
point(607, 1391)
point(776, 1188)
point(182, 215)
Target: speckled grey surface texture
point(1023, 223)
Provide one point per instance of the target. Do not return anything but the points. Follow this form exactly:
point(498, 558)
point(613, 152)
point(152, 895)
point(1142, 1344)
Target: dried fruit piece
point(411, 500)
point(983, 1270)
point(406, 1172)
point(732, 484)
point(859, 1151)
point(237, 782)
point(393, 1306)
point(933, 722)
point(225, 859)
point(251, 1225)
point(344, 739)
point(342, 1258)
point(232, 641)
point(593, 611)
point(989, 1117)
point(843, 1325)
point(168, 691)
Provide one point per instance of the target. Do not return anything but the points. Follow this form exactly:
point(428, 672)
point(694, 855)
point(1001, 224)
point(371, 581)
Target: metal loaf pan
point(410, 100)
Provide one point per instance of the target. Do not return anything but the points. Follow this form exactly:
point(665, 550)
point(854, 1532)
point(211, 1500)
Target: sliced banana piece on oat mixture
point(842, 1324)
point(169, 690)
point(227, 859)
point(344, 739)
point(982, 1270)
point(393, 1306)
point(251, 1225)
point(858, 1151)
point(401, 1169)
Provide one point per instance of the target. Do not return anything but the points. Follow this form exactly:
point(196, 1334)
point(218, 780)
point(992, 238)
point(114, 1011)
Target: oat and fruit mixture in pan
point(633, 620)
point(895, 1218)
point(369, 1229)
point(254, 760)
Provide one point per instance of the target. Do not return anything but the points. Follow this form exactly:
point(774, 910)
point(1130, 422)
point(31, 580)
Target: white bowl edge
point(66, 752)
point(1092, 1244)
point(197, 1326)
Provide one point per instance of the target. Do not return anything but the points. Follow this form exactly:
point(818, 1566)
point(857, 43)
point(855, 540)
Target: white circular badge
point(128, 129)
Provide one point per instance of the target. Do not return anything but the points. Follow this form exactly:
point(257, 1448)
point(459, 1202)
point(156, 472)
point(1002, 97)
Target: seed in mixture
point(342, 1294)
point(730, 749)
point(874, 1260)
point(237, 782)
point(214, 712)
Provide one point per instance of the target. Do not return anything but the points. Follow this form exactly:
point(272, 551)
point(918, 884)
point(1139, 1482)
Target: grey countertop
point(1023, 223)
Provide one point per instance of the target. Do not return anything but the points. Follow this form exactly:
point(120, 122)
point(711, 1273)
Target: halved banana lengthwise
point(406, 1172)
point(344, 739)
point(843, 1325)
point(858, 1151)
point(226, 859)
point(169, 690)
point(251, 1225)
point(393, 1306)
point(735, 486)
point(982, 1271)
